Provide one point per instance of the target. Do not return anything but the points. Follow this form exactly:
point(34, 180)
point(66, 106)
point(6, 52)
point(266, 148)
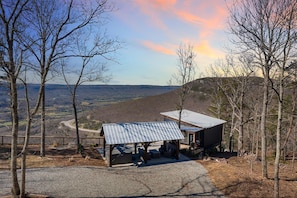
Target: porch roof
point(137, 132)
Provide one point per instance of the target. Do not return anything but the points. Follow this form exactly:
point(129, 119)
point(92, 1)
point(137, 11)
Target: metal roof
point(136, 132)
point(194, 118)
point(190, 128)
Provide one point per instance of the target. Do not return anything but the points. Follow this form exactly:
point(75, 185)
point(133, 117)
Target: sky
point(152, 30)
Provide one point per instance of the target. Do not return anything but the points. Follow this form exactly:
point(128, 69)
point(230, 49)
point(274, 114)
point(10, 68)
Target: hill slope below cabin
point(149, 108)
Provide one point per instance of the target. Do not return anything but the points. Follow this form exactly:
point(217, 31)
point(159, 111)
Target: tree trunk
point(254, 132)
point(240, 141)
point(23, 169)
point(14, 141)
point(291, 122)
point(278, 136)
point(25, 146)
point(257, 141)
point(277, 155)
point(294, 151)
point(231, 142)
point(179, 117)
point(232, 130)
point(241, 130)
point(42, 123)
point(263, 128)
point(76, 124)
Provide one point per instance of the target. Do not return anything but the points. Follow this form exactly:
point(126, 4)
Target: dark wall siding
point(200, 135)
point(208, 137)
point(213, 136)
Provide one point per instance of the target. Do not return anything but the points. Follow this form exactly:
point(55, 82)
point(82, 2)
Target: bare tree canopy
point(53, 27)
point(233, 82)
point(267, 30)
point(35, 35)
point(185, 74)
point(11, 24)
point(84, 69)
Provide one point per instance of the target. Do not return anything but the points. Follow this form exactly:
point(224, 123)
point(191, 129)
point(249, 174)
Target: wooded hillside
point(207, 97)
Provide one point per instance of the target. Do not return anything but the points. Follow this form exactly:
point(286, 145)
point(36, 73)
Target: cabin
point(122, 140)
point(199, 130)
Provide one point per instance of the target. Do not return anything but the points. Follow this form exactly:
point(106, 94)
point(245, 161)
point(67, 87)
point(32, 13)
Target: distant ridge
point(58, 94)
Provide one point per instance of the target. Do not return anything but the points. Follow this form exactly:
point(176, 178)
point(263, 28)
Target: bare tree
point(44, 29)
point(266, 29)
point(29, 117)
point(253, 103)
point(220, 107)
point(87, 70)
point(11, 23)
point(185, 74)
point(283, 59)
point(253, 32)
point(53, 24)
point(291, 108)
point(233, 80)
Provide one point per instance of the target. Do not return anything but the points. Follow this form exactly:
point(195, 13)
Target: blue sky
point(152, 30)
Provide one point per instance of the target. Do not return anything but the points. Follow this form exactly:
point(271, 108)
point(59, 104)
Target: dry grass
point(55, 157)
point(236, 178)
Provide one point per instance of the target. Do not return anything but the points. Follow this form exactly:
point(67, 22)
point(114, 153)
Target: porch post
point(177, 149)
point(145, 157)
point(110, 155)
point(135, 148)
point(104, 148)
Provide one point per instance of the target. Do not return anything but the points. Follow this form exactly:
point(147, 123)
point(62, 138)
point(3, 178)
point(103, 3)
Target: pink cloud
point(206, 18)
point(156, 4)
point(209, 16)
point(205, 49)
point(200, 48)
point(158, 48)
point(155, 10)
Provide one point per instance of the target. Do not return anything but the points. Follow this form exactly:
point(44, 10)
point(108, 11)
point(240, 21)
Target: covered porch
point(122, 140)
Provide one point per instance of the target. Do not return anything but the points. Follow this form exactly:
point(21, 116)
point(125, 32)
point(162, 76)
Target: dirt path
point(69, 124)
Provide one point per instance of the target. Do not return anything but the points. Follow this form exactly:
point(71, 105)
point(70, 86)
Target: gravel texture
point(183, 178)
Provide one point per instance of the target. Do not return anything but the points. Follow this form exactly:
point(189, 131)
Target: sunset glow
point(158, 48)
point(152, 30)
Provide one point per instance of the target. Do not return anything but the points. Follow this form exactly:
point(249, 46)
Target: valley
point(59, 106)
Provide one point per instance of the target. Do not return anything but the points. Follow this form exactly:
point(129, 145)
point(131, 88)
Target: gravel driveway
point(180, 179)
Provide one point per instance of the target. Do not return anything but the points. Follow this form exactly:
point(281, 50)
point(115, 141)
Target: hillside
point(149, 108)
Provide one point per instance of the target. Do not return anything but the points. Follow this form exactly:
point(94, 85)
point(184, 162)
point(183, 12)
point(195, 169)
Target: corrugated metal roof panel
point(195, 119)
point(125, 133)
